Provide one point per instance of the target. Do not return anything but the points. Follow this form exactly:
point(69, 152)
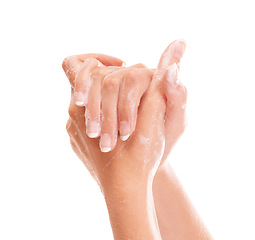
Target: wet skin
point(123, 124)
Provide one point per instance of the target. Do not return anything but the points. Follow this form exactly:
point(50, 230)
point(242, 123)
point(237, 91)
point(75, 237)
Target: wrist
point(125, 174)
point(131, 210)
point(126, 183)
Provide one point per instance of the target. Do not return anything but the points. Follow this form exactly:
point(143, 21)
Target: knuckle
point(97, 73)
point(132, 77)
point(109, 119)
point(72, 111)
point(107, 114)
point(66, 62)
point(93, 61)
point(127, 109)
point(123, 108)
point(138, 65)
point(110, 84)
point(141, 65)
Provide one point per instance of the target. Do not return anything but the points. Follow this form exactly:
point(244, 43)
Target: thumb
point(153, 104)
point(150, 126)
point(172, 54)
point(152, 108)
point(175, 91)
point(176, 95)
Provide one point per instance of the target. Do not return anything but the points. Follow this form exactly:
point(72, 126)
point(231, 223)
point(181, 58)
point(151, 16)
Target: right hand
point(165, 76)
point(106, 91)
point(140, 155)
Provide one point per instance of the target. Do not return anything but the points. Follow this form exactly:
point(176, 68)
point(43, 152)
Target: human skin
point(176, 216)
point(124, 174)
point(168, 203)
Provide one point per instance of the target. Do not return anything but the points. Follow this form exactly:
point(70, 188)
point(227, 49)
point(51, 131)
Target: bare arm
point(131, 209)
point(126, 171)
point(177, 217)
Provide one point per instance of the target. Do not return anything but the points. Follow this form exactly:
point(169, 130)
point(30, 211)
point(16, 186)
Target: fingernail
point(124, 130)
point(179, 48)
point(93, 129)
point(105, 142)
point(80, 98)
point(172, 74)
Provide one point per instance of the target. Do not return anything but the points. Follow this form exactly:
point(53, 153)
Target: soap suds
point(144, 140)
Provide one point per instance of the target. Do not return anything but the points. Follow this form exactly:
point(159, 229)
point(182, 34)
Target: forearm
point(177, 218)
point(131, 209)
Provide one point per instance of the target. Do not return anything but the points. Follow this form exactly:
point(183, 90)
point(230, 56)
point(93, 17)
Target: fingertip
point(179, 48)
point(79, 103)
point(92, 129)
point(124, 130)
point(105, 149)
point(181, 40)
point(124, 138)
point(173, 53)
point(92, 135)
point(105, 142)
point(80, 99)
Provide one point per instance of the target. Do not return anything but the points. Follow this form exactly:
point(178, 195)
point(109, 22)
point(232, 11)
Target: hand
point(125, 174)
point(142, 153)
point(175, 92)
point(128, 193)
point(104, 91)
point(124, 179)
point(71, 65)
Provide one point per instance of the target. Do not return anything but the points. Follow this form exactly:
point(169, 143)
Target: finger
point(175, 91)
point(172, 54)
point(175, 119)
point(71, 66)
point(110, 93)
point(150, 123)
point(83, 81)
point(151, 118)
point(104, 59)
point(92, 115)
point(77, 129)
point(132, 88)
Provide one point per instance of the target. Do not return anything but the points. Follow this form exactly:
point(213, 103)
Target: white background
point(45, 191)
